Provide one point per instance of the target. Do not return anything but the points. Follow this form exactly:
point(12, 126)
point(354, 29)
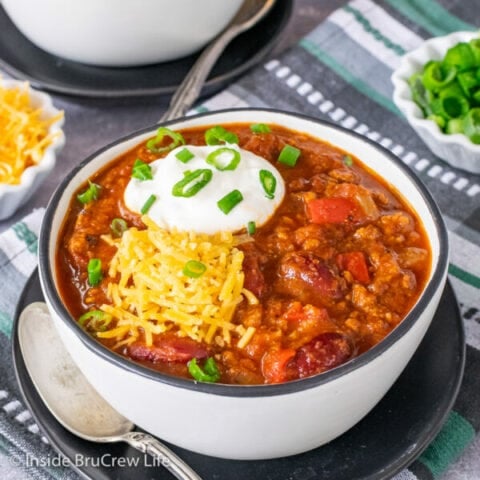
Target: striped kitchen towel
point(20, 437)
point(340, 72)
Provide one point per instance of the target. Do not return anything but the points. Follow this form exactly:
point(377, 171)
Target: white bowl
point(13, 196)
point(456, 149)
point(121, 32)
point(262, 421)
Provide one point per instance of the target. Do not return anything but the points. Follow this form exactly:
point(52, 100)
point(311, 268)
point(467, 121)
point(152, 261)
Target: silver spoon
point(251, 12)
point(73, 401)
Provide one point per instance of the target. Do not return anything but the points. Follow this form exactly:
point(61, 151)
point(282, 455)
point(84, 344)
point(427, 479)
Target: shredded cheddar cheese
point(25, 134)
point(150, 294)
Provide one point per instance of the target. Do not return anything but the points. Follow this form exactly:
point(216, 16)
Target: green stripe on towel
point(5, 324)
point(452, 440)
point(431, 16)
point(464, 276)
point(26, 235)
point(367, 26)
point(362, 87)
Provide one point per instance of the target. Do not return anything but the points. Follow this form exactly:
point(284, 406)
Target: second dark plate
point(410, 415)
point(23, 60)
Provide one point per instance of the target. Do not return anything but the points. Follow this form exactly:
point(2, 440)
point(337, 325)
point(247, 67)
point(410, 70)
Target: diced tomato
point(168, 348)
point(356, 264)
point(274, 364)
point(366, 206)
point(331, 209)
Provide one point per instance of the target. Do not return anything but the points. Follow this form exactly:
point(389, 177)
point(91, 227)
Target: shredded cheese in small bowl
point(31, 136)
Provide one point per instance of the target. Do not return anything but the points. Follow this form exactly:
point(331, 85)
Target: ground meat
point(412, 257)
point(344, 175)
point(263, 145)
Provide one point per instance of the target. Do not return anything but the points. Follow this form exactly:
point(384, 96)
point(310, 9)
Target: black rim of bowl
point(96, 347)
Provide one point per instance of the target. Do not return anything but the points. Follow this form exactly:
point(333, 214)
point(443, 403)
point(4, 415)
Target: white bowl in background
point(13, 196)
point(455, 149)
point(260, 421)
point(120, 33)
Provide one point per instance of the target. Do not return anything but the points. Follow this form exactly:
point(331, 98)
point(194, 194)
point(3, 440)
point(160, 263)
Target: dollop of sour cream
point(200, 212)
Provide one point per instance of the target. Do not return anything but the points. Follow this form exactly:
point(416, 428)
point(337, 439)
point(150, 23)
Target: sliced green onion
point(289, 155)
point(217, 135)
point(347, 160)
point(94, 271)
point(471, 125)
point(184, 155)
point(448, 90)
point(437, 76)
point(420, 95)
point(460, 56)
point(269, 183)
point(475, 46)
point(439, 120)
point(224, 158)
point(194, 269)
point(148, 204)
point(260, 128)
point(453, 89)
point(118, 226)
point(230, 201)
point(90, 194)
point(155, 145)
point(192, 183)
point(209, 373)
point(251, 227)
point(450, 106)
point(95, 320)
point(468, 81)
point(455, 125)
point(141, 170)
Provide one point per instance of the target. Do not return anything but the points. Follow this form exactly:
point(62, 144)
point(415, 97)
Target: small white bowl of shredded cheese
point(31, 137)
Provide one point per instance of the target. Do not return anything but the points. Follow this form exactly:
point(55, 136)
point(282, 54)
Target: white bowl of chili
point(31, 137)
point(121, 33)
point(274, 395)
point(444, 134)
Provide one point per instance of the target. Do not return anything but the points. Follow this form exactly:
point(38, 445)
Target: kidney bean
point(168, 348)
point(326, 351)
point(254, 278)
point(304, 270)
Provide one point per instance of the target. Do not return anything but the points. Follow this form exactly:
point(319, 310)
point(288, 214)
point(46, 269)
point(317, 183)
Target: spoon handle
point(165, 457)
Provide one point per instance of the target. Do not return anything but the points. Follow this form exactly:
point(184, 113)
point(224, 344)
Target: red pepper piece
point(356, 264)
point(331, 210)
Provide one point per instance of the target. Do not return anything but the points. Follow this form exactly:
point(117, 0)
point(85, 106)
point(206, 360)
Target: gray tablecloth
point(340, 72)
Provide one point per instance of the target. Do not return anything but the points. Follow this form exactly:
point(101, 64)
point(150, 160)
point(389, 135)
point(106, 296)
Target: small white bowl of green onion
point(437, 88)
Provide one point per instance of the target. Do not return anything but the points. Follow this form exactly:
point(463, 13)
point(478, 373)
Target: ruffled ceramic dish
point(14, 195)
point(455, 149)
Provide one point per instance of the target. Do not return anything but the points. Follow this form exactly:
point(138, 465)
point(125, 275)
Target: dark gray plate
point(22, 59)
point(411, 414)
